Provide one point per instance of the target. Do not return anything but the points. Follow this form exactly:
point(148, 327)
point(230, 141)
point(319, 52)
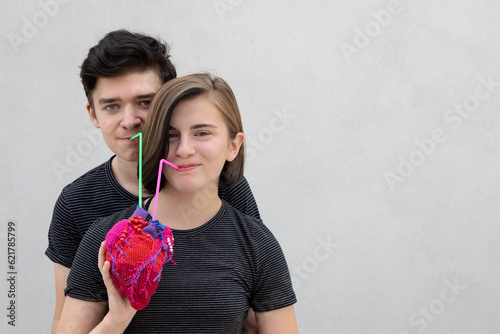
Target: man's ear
point(234, 146)
point(93, 116)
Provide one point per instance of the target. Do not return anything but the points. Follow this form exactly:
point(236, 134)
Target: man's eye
point(111, 107)
point(145, 103)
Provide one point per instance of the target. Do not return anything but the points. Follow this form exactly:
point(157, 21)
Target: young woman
point(226, 262)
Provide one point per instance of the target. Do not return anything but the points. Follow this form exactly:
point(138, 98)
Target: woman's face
point(199, 144)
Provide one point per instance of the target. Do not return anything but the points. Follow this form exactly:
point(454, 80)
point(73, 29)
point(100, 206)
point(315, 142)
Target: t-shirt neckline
point(199, 229)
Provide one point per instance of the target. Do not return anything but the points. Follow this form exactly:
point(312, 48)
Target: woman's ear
point(234, 146)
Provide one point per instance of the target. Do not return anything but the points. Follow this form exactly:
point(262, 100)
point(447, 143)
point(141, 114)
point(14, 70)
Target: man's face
point(121, 106)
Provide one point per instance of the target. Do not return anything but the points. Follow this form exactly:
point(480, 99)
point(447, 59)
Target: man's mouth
point(135, 140)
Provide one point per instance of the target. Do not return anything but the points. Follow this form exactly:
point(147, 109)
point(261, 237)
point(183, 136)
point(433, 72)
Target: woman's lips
point(186, 168)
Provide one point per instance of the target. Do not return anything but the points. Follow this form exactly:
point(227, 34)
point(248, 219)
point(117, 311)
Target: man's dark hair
point(121, 52)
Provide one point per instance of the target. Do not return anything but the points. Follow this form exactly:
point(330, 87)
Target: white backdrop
point(373, 146)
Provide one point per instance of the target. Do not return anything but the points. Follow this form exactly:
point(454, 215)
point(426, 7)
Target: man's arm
point(61, 276)
point(251, 323)
point(278, 321)
point(63, 238)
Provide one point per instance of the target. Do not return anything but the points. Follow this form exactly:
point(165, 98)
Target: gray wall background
point(373, 145)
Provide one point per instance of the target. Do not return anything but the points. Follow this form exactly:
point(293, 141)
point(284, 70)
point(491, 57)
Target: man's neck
point(125, 173)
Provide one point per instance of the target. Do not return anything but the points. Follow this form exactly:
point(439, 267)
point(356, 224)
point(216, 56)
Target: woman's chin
point(189, 188)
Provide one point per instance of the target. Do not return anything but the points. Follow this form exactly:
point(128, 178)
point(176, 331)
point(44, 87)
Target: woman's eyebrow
point(197, 126)
point(203, 125)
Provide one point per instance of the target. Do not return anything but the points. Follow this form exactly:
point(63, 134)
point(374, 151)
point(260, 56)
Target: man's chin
point(128, 156)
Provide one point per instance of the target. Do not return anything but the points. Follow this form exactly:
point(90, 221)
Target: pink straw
point(162, 161)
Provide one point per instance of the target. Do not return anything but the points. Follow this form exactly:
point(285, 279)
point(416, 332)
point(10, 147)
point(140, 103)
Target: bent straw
point(140, 165)
point(162, 161)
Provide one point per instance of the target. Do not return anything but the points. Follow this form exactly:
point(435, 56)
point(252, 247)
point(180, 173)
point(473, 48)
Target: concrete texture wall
point(373, 146)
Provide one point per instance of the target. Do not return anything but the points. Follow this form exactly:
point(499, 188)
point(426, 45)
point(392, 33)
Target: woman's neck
point(184, 211)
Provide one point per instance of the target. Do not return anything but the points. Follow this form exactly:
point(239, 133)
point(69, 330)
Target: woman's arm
point(278, 321)
point(79, 316)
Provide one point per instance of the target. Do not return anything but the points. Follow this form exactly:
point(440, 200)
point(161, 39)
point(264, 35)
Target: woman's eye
point(202, 133)
point(172, 135)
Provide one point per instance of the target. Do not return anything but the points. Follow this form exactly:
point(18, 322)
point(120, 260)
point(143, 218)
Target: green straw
point(140, 165)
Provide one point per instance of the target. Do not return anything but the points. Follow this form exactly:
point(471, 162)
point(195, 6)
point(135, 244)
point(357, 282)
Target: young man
point(120, 76)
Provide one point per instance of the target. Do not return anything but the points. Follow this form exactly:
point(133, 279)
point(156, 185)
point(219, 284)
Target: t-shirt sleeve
point(273, 286)
point(63, 236)
point(241, 198)
point(85, 280)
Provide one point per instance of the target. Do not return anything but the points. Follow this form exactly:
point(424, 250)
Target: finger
point(105, 272)
point(106, 277)
point(105, 267)
point(102, 255)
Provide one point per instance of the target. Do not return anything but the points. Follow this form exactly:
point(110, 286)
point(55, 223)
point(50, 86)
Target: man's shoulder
point(234, 213)
point(245, 222)
point(93, 176)
point(95, 184)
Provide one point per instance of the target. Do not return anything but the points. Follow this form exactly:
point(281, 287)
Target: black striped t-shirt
point(224, 267)
point(97, 194)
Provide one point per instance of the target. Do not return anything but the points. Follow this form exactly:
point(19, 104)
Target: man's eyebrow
point(108, 100)
point(197, 126)
point(145, 96)
point(105, 100)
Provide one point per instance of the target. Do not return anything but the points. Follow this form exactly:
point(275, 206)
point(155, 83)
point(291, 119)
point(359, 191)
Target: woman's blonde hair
point(156, 134)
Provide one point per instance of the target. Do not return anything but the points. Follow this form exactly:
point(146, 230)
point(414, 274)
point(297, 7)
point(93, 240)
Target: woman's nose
point(185, 148)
